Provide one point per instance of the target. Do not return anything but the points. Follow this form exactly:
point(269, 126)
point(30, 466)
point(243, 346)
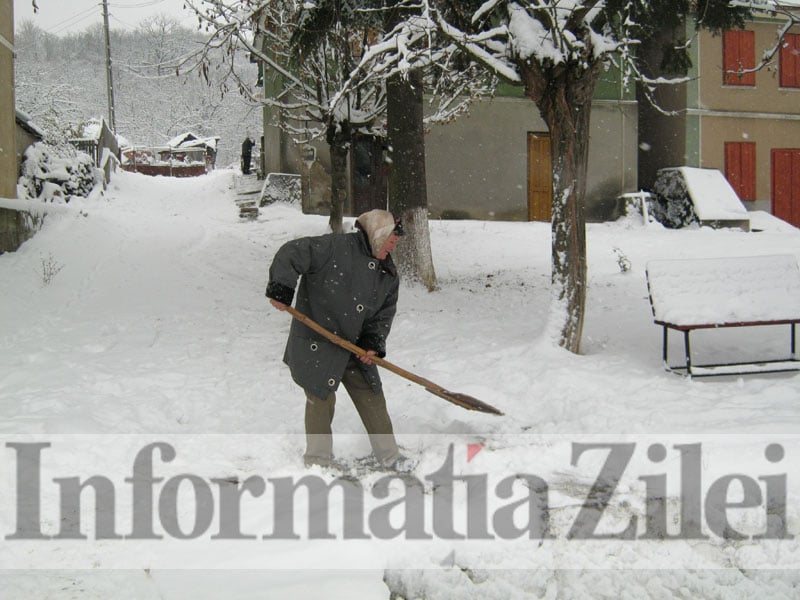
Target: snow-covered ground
point(153, 321)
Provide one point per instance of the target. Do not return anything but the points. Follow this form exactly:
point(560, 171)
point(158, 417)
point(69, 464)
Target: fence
point(169, 162)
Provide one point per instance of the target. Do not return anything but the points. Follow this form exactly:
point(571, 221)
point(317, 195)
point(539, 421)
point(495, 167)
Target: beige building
point(495, 162)
point(491, 164)
point(746, 124)
point(8, 147)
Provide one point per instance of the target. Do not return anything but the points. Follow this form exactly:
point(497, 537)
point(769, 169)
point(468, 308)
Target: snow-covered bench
point(726, 292)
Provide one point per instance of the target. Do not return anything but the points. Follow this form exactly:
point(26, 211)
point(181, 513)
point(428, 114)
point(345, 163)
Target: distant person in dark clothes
point(349, 284)
point(247, 153)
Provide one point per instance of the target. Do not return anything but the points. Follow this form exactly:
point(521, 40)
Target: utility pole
point(112, 121)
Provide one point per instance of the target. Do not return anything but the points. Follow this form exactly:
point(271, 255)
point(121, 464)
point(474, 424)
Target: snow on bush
point(281, 186)
point(57, 173)
point(672, 206)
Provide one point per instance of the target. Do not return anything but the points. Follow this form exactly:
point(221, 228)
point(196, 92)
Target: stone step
point(248, 212)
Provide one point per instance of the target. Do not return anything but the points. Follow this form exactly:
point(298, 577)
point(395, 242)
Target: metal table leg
point(688, 349)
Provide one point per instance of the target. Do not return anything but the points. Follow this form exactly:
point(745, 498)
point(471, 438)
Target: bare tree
point(789, 16)
point(410, 58)
point(59, 85)
point(309, 48)
point(327, 38)
point(164, 42)
point(556, 50)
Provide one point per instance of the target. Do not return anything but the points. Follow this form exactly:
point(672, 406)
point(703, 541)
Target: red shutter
point(747, 55)
point(790, 61)
point(739, 53)
point(748, 191)
point(733, 160)
point(729, 56)
point(740, 168)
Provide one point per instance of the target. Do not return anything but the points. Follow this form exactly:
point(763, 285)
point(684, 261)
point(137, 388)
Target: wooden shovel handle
point(462, 400)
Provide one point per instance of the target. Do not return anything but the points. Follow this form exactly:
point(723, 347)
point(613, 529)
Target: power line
point(138, 5)
point(120, 21)
point(73, 20)
point(87, 13)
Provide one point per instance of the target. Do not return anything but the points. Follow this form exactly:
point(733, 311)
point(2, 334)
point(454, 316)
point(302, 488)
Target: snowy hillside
point(143, 312)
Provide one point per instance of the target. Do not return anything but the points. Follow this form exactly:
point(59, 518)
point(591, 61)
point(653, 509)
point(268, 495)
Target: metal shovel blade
point(465, 401)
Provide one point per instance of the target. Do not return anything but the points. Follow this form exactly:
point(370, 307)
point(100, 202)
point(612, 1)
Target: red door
point(786, 185)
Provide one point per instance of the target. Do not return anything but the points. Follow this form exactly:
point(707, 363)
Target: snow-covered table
point(689, 294)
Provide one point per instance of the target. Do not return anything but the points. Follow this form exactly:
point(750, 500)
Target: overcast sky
point(66, 16)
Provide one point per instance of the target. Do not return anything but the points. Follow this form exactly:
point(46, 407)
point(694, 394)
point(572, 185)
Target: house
point(495, 162)
point(492, 164)
point(190, 141)
point(16, 225)
point(186, 155)
point(27, 134)
point(8, 159)
point(745, 124)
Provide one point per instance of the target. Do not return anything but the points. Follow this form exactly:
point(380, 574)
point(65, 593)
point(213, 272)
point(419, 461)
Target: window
point(739, 53)
point(740, 168)
point(790, 61)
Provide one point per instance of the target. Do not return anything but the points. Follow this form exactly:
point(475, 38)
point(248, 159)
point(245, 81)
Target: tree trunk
point(408, 194)
point(338, 185)
point(565, 103)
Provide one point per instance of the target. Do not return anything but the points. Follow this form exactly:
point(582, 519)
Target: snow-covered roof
point(26, 123)
point(190, 140)
point(92, 129)
point(179, 139)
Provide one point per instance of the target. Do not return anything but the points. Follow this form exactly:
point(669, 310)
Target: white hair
point(378, 224)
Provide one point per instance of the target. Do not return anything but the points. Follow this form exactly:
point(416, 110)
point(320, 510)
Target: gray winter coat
point(344, 288)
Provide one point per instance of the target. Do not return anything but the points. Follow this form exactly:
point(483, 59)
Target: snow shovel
point(461, 400)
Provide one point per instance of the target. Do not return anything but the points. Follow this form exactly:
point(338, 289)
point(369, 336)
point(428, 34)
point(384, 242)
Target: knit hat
point(378, 225)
